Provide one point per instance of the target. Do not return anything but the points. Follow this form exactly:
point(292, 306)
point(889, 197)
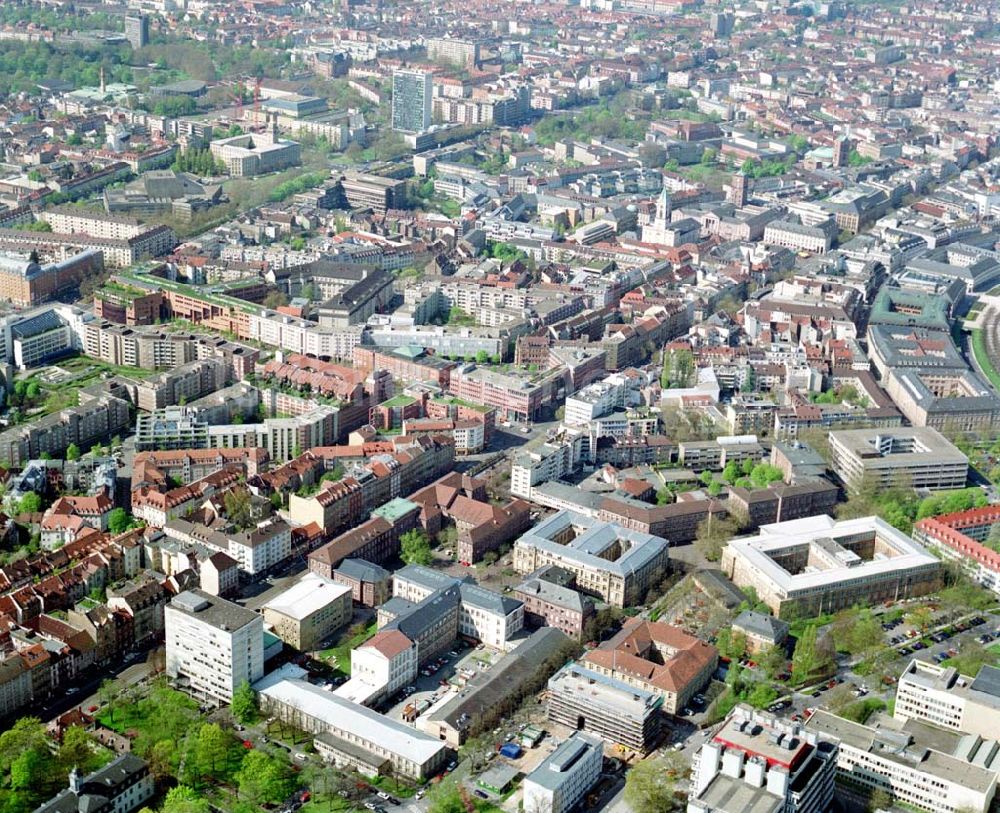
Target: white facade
point(564, 778)
point(385, 671)
point(213, 645)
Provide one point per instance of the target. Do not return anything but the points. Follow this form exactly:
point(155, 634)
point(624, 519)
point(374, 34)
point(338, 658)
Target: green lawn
point(983, 358)
point(339, 656)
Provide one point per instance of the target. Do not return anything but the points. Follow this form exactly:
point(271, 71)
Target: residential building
point(819, 565)
point(587, 700)
point(563, 778)
point(617, 565)
point(918, 766)
point(350, 735)
point(761, 631)
point(309, 612)
point(411, 100)
point(213, 645)
point(656, 658)
point(916, 457)
point(757, 762)
point(460, 52)
point(961, 537)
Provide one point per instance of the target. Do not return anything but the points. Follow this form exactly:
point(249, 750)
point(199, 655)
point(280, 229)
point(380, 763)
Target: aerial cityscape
point(524, 407)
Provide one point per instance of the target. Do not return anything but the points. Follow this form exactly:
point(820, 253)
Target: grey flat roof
point(213, 610)
point(557, 768)
point(365, 724)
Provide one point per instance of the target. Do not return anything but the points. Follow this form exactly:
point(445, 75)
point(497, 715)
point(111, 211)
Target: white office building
point(919, 766)
point(213, 645)
point(565, 776)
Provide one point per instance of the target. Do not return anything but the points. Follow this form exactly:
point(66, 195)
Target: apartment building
point(656, 658)
point(213, 645)
point(309, 612)
point(97, 419)
point(350, 735)
point(411, 100)
point(375, 540)
point(761, 763)
point(819, 565)
point(184, 383)
point(617, 565)
point(585, 700)
point(961, 537)
point(917, 766)
point(255, 551)
point(563, 778)
point(375, 481)
point(917, 457)
point(461, 52)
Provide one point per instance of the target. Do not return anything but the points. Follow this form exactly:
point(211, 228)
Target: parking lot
point(440, 678)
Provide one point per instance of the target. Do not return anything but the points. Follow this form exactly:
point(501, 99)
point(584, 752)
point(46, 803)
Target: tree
point(244, 703)
point(880, 799)
point(239, 508)
point(183, 799)
point(678, 369)
point(415, 548)
point(712, 535)
point(77, 751)
point(652, 155)
point(275, 300)
point(762, 695)
point(212, 748)
point(709, 157)
point(161, 758)
point(27, 770)
point(72, 452)
point(920, 617)
point(263, 779)
point(482, 357)
point(109, 693)
point(31, 503)
point(119, 521)
point(33, 391)
point(811, 657)
point(650, 787)
point(445, 798)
